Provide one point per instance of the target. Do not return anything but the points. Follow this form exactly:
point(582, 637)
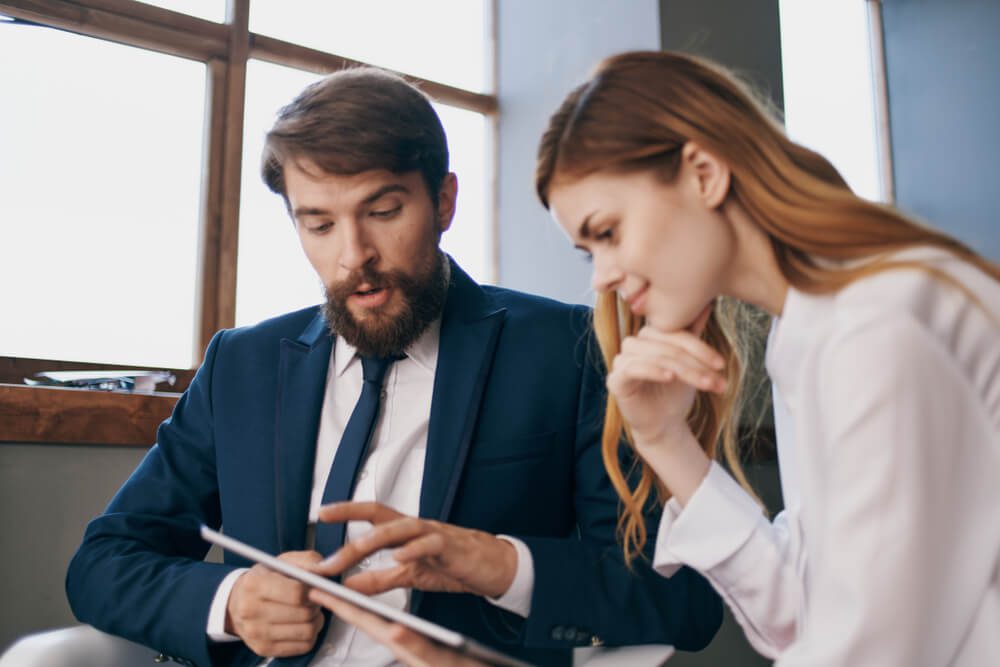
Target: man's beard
point(382, 334)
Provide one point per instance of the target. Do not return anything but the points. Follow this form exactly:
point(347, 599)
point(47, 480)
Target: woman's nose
point(605, 276)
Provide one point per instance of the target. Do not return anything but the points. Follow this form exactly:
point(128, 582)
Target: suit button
point(558, 633)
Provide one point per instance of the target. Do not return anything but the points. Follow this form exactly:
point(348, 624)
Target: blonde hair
point(634, 115)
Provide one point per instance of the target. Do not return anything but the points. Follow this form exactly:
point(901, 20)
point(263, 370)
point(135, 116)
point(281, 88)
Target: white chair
point(78, 646)
point(84, 646)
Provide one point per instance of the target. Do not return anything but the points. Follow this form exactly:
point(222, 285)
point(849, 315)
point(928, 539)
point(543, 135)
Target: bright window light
point(100, 166)
point(441, 40)
point(828, 85)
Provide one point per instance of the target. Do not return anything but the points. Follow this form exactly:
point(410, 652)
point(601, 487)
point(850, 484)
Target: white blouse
point(887, 413)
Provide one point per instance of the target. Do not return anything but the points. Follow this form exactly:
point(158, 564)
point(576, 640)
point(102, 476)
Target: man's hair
point(357, 120)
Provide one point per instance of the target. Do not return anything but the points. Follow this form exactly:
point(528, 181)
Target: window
point(440, 40)
point(135, 224)
point(100, 203)
point(832, 77)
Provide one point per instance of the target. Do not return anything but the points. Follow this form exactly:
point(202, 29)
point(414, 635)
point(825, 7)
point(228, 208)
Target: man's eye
point(386, 212)
point(321, 228)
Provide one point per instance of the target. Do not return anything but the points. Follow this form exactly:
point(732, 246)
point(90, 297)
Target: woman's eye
point(605, 234)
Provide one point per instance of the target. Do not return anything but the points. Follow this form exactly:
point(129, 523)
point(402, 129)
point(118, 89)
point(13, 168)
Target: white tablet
point(438, 633)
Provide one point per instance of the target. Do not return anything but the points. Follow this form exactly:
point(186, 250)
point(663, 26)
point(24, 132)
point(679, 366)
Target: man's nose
point(358, 249)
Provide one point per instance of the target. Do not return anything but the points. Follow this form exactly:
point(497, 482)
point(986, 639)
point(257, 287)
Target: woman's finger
point(667, 355)
point(687, 341)
point(630, 369)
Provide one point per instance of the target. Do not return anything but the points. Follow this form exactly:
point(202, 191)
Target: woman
point(884, 357)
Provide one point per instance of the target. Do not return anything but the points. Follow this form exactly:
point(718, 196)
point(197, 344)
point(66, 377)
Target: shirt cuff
point(216, 629)
point(517, 599)
point(718, 519)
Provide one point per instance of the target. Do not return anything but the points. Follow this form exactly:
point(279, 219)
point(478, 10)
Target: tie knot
point(373, 369)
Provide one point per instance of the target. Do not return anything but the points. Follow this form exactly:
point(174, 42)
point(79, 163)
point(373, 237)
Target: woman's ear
point(710, 174)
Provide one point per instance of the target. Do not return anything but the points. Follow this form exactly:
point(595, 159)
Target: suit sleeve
point(584, 592)
point(139, 572)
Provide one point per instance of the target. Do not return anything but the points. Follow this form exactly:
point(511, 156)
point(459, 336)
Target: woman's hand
point(654, 379)
point(655, 376)
point(409, 647)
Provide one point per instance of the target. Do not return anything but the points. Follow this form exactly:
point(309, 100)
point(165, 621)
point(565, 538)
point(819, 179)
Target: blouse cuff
point(718, 519)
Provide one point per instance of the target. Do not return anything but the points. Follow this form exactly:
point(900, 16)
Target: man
point(412, 391)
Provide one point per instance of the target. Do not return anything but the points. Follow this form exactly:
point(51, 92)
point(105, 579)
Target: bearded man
point(413, 409)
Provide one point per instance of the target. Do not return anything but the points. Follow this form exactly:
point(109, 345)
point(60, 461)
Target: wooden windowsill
point(59, 415)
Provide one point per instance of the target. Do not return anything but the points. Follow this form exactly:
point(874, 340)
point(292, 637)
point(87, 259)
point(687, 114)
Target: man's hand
point(409, 647)
point(432, 556)
point(273, 614)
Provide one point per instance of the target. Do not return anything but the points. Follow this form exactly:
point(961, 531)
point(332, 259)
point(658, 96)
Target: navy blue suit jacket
point(513, 447)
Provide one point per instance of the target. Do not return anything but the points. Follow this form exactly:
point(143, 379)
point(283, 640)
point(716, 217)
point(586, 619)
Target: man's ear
point(710, 173)
point(447, 196)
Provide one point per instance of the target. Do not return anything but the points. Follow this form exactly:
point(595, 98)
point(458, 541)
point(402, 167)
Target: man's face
point(373, 239)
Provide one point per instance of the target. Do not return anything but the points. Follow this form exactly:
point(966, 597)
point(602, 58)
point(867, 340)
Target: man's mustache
point(367, 276)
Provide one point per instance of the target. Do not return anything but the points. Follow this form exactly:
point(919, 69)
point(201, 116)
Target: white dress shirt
point(887, 413)
point(392, 474)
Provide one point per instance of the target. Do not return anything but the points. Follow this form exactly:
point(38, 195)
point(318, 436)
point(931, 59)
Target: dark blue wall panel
point(943, 68)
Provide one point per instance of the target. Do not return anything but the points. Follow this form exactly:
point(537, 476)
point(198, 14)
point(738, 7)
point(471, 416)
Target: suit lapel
point(470, 329)
point(302, 369)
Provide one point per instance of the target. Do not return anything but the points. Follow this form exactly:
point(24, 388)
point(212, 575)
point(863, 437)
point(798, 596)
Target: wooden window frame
point(31, 414)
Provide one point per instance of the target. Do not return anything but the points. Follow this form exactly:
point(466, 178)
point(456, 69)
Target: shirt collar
point(423, 351)
point(803, 317)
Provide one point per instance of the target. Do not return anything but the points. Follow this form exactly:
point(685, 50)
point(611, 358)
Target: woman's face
point(665, 248)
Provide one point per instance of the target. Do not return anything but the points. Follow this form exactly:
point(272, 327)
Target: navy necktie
point(344, 472)
point(352, 449)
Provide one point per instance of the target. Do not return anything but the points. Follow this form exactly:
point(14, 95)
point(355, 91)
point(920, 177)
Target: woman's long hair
point(634, 115)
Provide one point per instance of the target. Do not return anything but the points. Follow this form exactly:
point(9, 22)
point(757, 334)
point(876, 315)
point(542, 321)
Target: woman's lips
point(637, 300)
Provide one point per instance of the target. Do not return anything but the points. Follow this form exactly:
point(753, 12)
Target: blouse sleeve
point(900, 557)
point(723, 534)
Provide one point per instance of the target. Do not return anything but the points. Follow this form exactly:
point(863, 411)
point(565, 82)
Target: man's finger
point(275, 587)
point(392, 534)
point(374, 513)
point(373, 582)
point(426, 546)
point(277, 613)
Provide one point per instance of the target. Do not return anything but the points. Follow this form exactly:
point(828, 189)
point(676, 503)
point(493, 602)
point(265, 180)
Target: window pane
point(99, 199)
point(441, 40)
point(827, 77)
point(210, 10)
point(274, 276)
